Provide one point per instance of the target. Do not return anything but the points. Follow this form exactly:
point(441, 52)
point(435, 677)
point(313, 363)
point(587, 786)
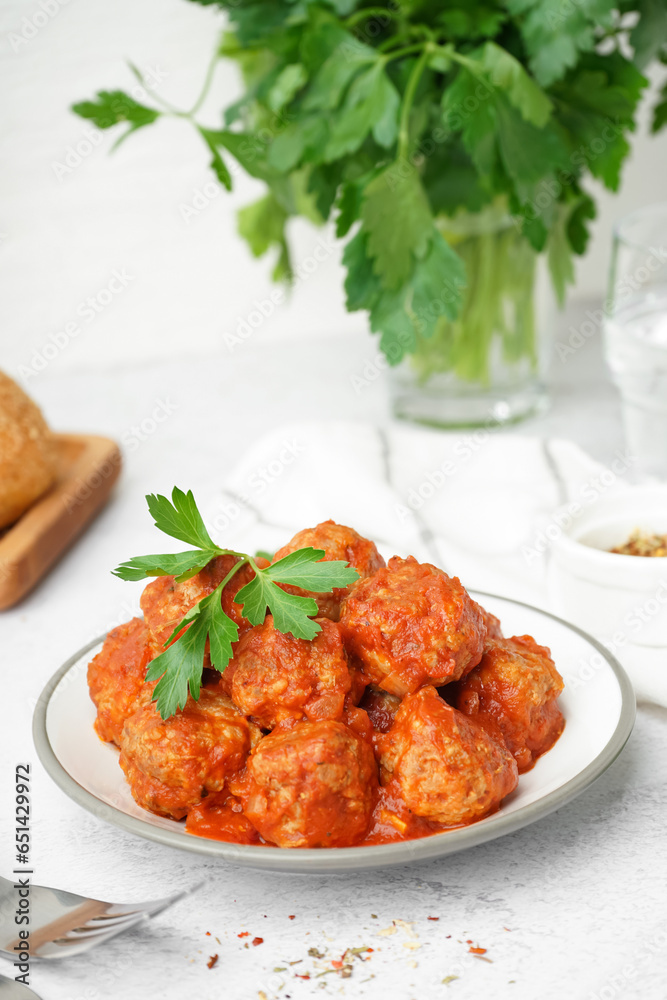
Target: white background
point(190, 283)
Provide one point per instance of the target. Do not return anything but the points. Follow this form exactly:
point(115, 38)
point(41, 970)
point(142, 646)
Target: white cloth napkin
point(474, 503)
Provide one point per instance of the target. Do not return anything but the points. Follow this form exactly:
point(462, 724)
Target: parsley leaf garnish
point(178, 669)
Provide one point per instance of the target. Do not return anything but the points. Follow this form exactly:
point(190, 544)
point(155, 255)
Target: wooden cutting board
point(88, 466)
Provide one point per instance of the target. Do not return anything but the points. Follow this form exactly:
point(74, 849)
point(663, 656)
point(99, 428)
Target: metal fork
point(63, 923)
point(11, 990)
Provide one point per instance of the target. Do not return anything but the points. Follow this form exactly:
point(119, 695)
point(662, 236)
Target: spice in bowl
point(642, 544)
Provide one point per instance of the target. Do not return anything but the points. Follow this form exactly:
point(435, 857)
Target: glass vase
point(489, 365)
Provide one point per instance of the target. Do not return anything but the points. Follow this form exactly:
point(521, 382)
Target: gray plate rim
point(346, 859)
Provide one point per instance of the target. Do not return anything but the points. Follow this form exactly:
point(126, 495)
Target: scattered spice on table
point(213, 960)
point(257, 940)
point(476, 951)
point(433, 918)
point(244, 934)
point(292, 916)
point(449, 979)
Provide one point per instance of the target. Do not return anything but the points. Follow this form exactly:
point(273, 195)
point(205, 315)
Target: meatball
point(514, 690)
point(313, 785)
point(492, 624)
point(171, 764)
point(117, 676)
point(274, 676)
point(338, 542)
point(448, 769)
point(410, 624)
point(165, 602)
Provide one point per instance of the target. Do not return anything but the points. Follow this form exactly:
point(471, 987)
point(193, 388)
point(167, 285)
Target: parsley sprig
point(178, 669)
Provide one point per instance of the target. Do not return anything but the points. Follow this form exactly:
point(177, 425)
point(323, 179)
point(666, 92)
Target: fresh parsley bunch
point(387, 118)
point(179, 668)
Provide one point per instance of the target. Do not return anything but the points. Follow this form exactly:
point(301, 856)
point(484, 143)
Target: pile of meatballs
point(407, 714)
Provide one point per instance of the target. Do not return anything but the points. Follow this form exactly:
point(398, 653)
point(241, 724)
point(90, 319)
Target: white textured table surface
point(574, 904)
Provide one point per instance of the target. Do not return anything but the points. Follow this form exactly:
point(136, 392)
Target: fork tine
point(90, 930)
point(66, 923)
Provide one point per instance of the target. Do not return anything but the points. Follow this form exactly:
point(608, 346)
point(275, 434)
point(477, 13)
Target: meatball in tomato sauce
point(338, 542)
point(117, 677)
point(313, 785)
point(491, 624)
point(514, 690)
point(410, 624)
point(171, 764)
point(274, 676)
point(447, 768)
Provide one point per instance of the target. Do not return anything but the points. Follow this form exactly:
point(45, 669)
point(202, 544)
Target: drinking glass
point(635, 329)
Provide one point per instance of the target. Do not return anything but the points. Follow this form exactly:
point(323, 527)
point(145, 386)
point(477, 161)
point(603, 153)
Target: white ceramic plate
point(598, 704)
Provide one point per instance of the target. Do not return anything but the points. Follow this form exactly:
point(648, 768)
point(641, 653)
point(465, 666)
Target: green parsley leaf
point(290, 81)
point(169, 564)
point(180, 518)
point(451, 181)
point(257, 22)
point(179, 668)
point(113, 107)
point(397, 219)
point(335, 76)
point(465, 23)
point(247, 149)
point(660, 112)
point(372, 105)
point(437, 284)
point(323, 184)
point(469, 108)
point(291, 613)
point(555, 35)
point(577, 231)
point(649, 33)
point(528, 154)
point(298, 141)
point(217, 163)
point(506, 73)
point(559, 254)
point(434, 290)
point(307, 568)
point(362, 285)
point(262, 225)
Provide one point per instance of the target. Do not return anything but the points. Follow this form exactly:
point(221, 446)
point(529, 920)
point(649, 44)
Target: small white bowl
point(619, 598)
